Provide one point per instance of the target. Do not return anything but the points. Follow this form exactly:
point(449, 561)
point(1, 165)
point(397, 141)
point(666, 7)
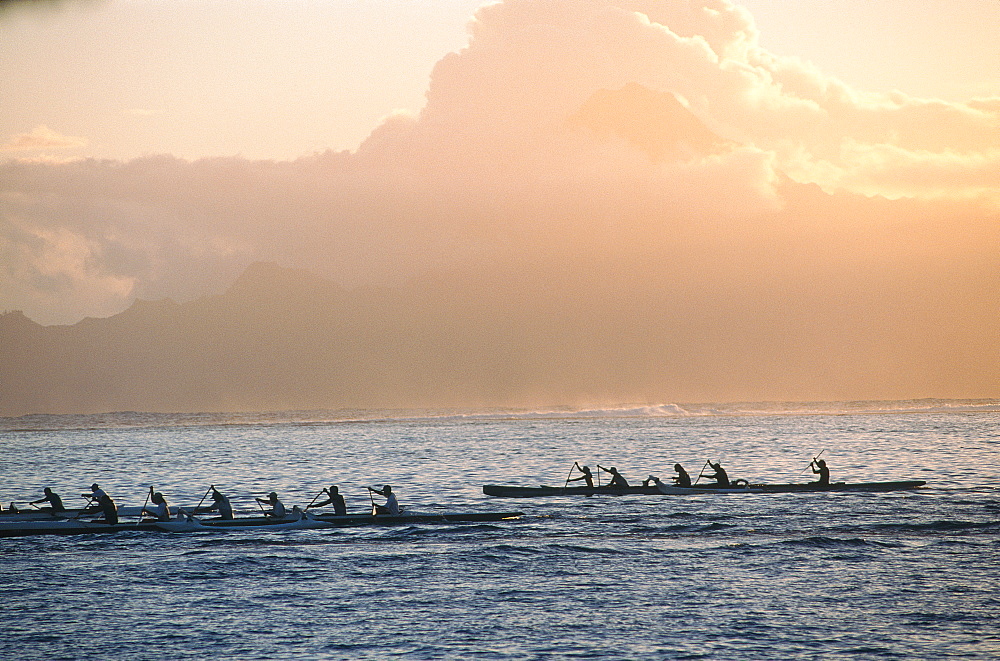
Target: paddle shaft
point(813, 461)
point(570, 474)
point(148, 494)
point(204, 497)
point(90, 501)
point(315, 498)
point(708, 462)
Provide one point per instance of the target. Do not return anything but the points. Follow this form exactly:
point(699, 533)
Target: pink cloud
point(494, 173)
point(42, 137)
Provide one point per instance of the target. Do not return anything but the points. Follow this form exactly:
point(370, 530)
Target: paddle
point(315, 498)
point(90, 501)
point(139, 520)
point(570, 474)
point(708, 462)
point(371, 498)
point(203, 498)
point(812, 462)
point(600, 469)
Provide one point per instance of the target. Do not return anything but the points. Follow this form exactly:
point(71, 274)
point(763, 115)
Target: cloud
point(42, 137)
point(793, 219)
point(529, 65)
point(895, 172)
point(58, 268)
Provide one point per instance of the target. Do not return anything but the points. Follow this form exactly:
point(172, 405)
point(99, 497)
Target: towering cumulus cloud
point(681, 212)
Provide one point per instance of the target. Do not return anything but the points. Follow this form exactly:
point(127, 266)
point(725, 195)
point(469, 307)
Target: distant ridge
point(533, 339)
point(253, 346)
point(267, 279)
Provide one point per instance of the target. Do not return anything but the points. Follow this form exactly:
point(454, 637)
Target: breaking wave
point(133, 419)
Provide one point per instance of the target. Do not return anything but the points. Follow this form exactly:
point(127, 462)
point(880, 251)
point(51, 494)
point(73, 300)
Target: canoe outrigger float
point(10, 527)
point(45, 513)
point(502, 491)
point(808, 487)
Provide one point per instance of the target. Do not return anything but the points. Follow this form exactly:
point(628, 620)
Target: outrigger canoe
point(60, 526)
point(502, 491)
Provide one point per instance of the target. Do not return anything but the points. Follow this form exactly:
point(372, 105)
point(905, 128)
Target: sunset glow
point(668, 174)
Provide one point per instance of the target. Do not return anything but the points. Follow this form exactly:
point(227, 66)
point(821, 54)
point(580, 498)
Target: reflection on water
point(896, 575)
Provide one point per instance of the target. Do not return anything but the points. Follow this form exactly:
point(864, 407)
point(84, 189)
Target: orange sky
point(283, 78)
point(815, 184)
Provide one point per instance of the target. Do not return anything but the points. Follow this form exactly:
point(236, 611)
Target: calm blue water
point(880, 576)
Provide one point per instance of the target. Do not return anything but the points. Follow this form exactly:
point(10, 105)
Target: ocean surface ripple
point(898, 575)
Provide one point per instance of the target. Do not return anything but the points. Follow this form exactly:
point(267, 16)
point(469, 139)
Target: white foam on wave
point(674, 410)
point(133, 419)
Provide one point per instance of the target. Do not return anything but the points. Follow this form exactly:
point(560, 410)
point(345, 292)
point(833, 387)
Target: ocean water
point(904, 575)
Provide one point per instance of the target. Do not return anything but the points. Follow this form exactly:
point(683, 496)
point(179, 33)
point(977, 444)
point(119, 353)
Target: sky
point(278, 79)
point(154, 149)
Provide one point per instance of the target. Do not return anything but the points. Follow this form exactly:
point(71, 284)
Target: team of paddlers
point(156, 507)
point(682, 478)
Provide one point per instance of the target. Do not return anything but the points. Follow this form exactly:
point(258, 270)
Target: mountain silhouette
point(551, 330)
point(276, 339)
point(281, 339)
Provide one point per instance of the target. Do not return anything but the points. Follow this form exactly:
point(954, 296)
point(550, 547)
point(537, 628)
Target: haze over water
point(895, 575)
point(654, 200)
